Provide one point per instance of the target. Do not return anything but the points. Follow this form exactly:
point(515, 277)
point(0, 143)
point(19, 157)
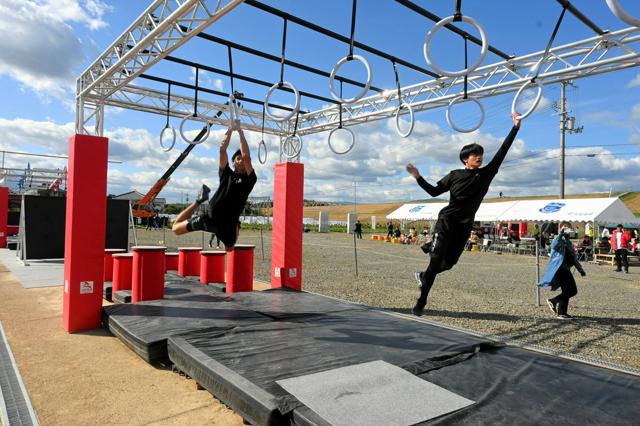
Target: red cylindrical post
point(189, 261)
point(148, 273)
point(122, 272)
point(108, 262)
point(212, 266)
point(240, 269)
point(171, 261)
point(4, 215)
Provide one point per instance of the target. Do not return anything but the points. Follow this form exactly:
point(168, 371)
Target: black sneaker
point(552, 306)
point(203, 195)
point(418, 309)
point(626, 272)
point(417, 275)
point(564, 317)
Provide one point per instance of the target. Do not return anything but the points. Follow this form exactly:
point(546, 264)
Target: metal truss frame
point(167, 24)
point(33, 178)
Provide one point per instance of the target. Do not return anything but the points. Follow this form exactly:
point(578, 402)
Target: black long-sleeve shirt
point(468, 187)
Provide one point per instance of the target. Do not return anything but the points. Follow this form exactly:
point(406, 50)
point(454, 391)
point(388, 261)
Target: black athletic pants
point(564, 278)
point(621, 259)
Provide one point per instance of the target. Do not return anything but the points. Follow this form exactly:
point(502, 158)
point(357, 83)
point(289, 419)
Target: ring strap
point(264, 107)
point(395, 71)
point(230, 69)
point(465, 65)
point(353, 29)
point(284, 47)
point(553, 36)
point(195, 102)
point(340, 115)
point(457, 15)
point(168, 104)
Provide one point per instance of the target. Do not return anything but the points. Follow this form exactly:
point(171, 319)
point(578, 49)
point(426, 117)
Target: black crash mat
point(106, 291)
point(286, 304)
point(240, 367)
point(145, 326)
point(121, 296)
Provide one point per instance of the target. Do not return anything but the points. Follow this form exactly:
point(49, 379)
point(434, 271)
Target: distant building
point(134, 196)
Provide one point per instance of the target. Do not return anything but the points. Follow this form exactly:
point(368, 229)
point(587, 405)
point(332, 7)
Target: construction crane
point(144, 206)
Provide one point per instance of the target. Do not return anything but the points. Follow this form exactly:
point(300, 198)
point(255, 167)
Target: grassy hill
point(381, 210)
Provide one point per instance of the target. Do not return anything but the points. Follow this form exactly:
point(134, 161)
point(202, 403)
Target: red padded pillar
point(212, 266)
point(148, 273)
point(4, 215)
point(85, 232)
point(108, 262)
point(286, 245)
point(171, 262)
point(122, 272)
point(189, 261)
point(240, 269)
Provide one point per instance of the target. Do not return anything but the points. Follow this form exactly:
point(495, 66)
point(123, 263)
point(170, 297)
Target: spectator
point(389, 229)
point(358, 229)
point(620, 245)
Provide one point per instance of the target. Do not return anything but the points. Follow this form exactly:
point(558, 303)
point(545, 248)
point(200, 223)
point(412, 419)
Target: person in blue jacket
point(558, 273)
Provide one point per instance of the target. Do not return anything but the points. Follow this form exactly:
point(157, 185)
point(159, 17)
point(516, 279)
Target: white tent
point(410, 212)
point(598, 210)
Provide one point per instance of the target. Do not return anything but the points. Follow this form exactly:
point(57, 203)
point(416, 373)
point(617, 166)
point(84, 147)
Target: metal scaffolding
point(167, 24)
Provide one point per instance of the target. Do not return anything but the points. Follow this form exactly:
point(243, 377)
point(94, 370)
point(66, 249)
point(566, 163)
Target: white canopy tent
point(597, 210)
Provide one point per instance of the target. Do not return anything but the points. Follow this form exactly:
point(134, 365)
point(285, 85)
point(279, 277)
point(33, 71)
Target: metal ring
point(535, 103)
point(296, 106)
point(260, 146)
point(353, 140)
point(194, 118)
point(412, 119)
point(364, 90)
point(483, 51)
point(456, 100)
point(173, 138)
point(295, 149)
point(621, 14)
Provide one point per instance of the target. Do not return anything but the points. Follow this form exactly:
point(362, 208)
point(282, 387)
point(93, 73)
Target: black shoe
point(552, 306)
point(203, 195)
point(626, 272)
point(618, 270)
point(564, 317)
point(418, 309)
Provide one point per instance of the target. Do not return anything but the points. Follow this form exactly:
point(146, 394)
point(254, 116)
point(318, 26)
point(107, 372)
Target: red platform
point(286, 245)
point(108, 262)
point(148, 273)
point(212, 266)
point(122, 272)
point(240, 269)
point(171, 261)
point(86, 217)
point(189, 261)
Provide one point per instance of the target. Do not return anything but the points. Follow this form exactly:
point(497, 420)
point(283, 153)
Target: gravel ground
point(486, 293)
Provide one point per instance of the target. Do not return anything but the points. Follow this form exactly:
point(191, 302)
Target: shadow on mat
point(485, 316)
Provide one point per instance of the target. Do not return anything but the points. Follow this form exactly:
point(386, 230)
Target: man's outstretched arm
point(244, 150)
point(434, 191)
point(497, 159)
point(224, 158)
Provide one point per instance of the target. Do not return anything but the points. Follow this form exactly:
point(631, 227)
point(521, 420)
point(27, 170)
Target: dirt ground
point(91, 378)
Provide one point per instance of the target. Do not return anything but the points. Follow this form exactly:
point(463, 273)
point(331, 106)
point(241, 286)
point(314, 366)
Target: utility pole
point(567, 124)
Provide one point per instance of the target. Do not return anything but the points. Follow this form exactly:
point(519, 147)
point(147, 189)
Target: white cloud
point(635, 82)
point(43, 51)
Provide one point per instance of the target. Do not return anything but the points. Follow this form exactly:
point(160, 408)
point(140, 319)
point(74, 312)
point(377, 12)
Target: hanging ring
point(453, 125)
point(291, 146)
point(483, 50)
point(262, 147)
point(194, 117)
point(364, 90)
point(296, 106)
point(173, 138)
point(351, 145)
point(620, 13)
point(233, 110)
point(412, 119)
point(535, 102)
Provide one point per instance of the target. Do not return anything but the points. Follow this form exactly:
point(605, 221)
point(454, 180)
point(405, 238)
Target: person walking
point(358, 229)
point(467, 188)
point(558, 273)
point(620, 246)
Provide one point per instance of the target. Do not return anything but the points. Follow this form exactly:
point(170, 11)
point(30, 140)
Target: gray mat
point(373, 393)
point(40, 273)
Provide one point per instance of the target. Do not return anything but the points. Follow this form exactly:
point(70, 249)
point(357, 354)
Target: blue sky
point(46, 44)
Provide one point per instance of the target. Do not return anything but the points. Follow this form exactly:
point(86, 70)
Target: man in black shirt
point(467, 188)
point(229, 200)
